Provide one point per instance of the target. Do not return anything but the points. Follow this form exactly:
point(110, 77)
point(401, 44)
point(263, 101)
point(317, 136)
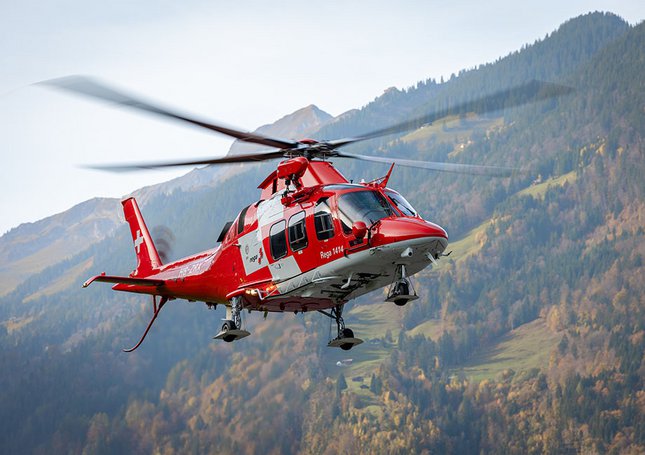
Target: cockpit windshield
point(366, 206)
point(401, 203)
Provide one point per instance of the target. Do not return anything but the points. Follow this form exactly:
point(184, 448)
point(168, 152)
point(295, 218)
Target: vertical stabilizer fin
point(147, 256)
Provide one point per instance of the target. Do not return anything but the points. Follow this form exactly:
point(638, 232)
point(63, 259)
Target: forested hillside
point(529, 338)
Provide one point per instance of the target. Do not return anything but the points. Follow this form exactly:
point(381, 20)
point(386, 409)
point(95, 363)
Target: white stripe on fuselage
point(253, 254)
point(284, 269)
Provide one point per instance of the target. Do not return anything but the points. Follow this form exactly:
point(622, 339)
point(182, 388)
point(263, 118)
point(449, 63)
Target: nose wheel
point(401, 290)
point(345, 339)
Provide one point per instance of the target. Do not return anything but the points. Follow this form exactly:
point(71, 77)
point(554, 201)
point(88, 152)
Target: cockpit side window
point(401, 203)
point(323, 220)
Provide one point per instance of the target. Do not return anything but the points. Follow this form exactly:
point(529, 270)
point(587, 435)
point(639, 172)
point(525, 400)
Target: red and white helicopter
point(313, 241)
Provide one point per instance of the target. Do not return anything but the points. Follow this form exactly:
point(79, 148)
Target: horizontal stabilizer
point(124, 280)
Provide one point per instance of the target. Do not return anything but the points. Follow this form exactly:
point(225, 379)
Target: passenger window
point(278, 240)
point(323, 220)
point(297, 232)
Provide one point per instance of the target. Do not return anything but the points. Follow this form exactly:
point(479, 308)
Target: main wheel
point(227, 326)
point(402, 288)
point(346, 346)
point(400, 302)
point(348, 333)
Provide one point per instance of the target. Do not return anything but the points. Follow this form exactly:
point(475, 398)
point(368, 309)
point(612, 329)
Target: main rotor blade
point(522, 94)
point(89, 87)
point(457, 168)
point(197, 162)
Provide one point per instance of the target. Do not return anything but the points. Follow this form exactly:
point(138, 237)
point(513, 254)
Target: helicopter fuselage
point(314, 246)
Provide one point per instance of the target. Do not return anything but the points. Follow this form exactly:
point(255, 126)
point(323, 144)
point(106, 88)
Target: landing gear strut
point(232, 326)
point(345, 339)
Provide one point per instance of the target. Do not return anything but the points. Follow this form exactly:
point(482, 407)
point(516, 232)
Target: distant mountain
point(31, 247)
point(529, 338)
point(296, 125)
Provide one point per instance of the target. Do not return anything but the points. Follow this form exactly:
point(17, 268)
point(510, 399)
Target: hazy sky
point(246, 63)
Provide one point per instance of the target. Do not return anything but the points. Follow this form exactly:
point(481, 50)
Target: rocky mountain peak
point(296, 125)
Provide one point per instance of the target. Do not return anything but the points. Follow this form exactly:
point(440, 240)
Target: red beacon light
point(293, 169)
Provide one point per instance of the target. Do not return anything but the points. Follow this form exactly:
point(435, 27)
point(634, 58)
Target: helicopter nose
point(392, 230)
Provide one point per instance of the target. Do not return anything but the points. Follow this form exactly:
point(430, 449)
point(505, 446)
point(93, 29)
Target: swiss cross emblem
point(138, 241)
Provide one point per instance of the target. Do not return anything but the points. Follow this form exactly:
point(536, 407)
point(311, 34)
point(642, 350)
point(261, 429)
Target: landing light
point(408, 252)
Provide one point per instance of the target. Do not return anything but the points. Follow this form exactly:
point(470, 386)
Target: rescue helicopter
point(314, 240)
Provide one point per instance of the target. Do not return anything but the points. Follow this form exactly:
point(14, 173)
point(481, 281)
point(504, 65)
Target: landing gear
point(401, 290)
point(227, 327)
point(231, 329)
point(345, 339)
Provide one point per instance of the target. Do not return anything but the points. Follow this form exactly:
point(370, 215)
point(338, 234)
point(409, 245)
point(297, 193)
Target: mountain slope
point(31, 247)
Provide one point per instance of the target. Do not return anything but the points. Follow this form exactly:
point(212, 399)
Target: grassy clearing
point(365, 363)
point(374, 320)
point(539, 190)
point(524, 348)
point(445, 129)
point(453, 129)
point(462, 249)
point(471, 243)
point(431, 329)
